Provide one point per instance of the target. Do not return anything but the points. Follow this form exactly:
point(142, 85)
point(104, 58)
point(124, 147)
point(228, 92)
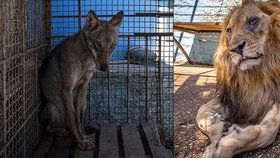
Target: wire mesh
point(21, 39)
point(139, 84)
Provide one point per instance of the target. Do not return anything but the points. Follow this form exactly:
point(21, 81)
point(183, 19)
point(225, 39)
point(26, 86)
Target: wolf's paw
point(86, 144)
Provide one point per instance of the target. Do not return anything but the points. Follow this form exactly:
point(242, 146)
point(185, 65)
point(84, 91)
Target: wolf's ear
point(117, 19)
point(91, 20)
point(245, 2)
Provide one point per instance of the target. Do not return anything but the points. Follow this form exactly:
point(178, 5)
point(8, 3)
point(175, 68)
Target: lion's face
point(246, 33)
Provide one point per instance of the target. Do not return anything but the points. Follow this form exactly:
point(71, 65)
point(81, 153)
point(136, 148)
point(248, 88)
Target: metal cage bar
point(139, 84)
point(21, 40)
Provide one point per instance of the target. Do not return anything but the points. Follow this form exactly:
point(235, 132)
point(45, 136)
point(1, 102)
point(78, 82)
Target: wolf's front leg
point(251, 137)
point(210, 119)
point(81, 100)
point(67, 99)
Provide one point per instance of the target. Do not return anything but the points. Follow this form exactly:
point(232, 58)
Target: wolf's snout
point(104, 67)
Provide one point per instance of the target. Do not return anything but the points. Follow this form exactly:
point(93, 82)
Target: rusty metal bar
point(111, 15)
point(160, 82)
point(128, 77)
point(154, 34)
point(79, 16)
point(23, 82)
point(146, 78)
point(108, 96)
point(47, 26)
point(167, 14)
point(183, 50)
point(4, 92)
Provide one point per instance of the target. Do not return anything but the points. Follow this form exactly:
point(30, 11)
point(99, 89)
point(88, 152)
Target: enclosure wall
point(21, 42)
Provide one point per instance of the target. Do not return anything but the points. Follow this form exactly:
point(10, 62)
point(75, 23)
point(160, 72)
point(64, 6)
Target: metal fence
point(21, 40)
point(139, 85)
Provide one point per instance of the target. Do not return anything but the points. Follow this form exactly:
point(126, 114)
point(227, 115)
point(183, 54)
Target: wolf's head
point(102, 37)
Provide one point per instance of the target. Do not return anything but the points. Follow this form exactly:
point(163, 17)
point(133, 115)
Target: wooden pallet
point(145, 140)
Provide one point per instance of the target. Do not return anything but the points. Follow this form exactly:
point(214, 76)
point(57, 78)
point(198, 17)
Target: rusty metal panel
point(20, 42)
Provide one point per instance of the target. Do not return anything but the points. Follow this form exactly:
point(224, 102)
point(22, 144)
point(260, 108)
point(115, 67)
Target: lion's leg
point(210, 120)
point(251, 137)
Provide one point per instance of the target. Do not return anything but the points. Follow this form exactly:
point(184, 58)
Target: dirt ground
point(194, 86)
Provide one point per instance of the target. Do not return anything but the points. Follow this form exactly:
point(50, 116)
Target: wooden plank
point(133, 146)
point(61, 147)
point(44, 146)
point(78, 153)
point(158, 150)
point(108, 141)
point(196, 27)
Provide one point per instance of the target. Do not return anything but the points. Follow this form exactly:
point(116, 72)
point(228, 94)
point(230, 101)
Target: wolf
point(69, 68)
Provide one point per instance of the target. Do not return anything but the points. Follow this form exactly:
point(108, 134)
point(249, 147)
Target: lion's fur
point(249, 94)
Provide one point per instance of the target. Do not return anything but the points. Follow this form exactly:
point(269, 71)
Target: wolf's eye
point(114, 44)
point(99, 44)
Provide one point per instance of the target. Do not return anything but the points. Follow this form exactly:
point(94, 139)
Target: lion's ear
point(245, 2)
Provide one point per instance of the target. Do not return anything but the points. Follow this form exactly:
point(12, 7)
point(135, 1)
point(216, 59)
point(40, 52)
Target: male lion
point(245, 114)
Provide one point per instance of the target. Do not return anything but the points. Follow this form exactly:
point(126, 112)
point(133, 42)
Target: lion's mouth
point(243, 58)
point(246, 58)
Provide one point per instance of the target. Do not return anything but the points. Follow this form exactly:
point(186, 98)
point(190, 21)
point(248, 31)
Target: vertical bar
point(194, 9)
point(48, 23)
point(160, 82)
point(79, 12)
point(36, 65)
point(4, 88)
point(146, 78)
point(108, 96)
point(24, 22)
point(89, 102)
point(128, 69)
point(3, 79)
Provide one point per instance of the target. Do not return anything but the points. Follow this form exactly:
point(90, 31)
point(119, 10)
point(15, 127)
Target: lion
point(245, 112)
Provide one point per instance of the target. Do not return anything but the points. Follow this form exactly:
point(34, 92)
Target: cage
point(21, 41)
point(137, 88)
point(138, 85)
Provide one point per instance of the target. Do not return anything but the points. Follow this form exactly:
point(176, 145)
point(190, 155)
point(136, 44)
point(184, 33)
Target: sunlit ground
point(183, 71)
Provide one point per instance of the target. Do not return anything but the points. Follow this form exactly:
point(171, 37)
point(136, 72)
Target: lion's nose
point(238, 48)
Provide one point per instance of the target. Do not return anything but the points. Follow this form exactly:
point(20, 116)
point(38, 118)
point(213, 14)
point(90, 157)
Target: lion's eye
point(253, 22)
point(229, 30)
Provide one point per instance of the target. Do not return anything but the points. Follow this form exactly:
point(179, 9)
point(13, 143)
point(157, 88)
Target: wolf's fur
point(247, 90)
point(69, 67)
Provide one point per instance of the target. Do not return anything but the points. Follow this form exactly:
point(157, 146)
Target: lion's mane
point(247, 95)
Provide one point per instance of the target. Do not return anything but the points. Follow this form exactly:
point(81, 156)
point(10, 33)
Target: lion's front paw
point(215, 117)
point(86, 144)
point(210, 119)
